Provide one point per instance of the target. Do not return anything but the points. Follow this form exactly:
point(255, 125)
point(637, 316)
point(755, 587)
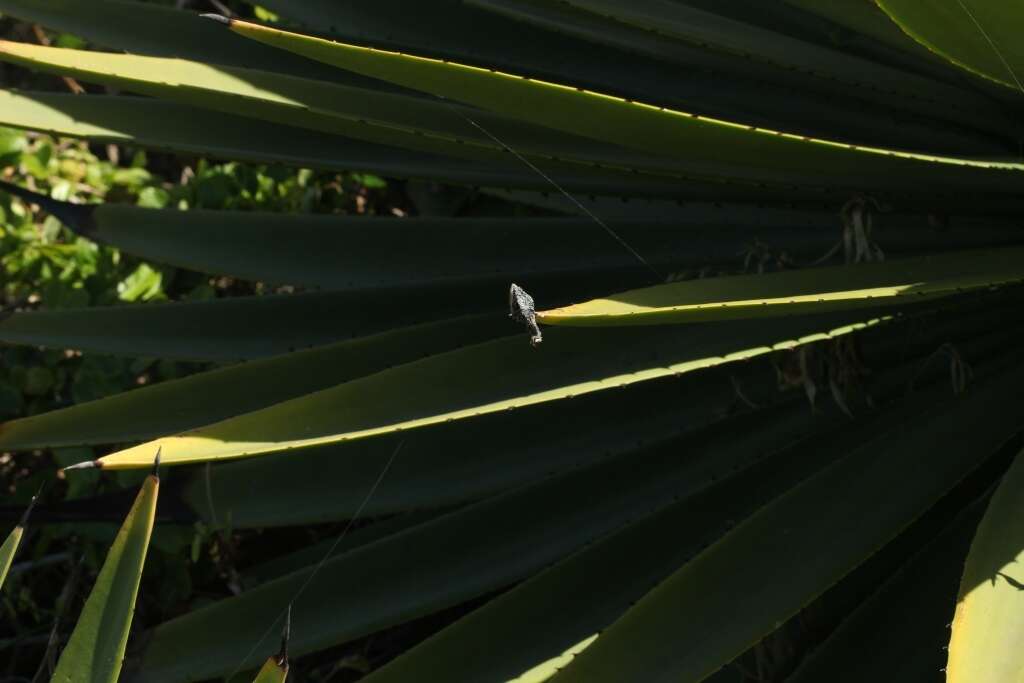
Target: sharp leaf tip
point(87, 465)
point(31, 506)
point(286, 634)
point(219, 18)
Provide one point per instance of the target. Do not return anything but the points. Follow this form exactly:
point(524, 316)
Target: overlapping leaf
point(717, 148)
point(442, 466)
point(11, 543)
point(798, 555)
point(554, 616)
point(505, 374)
point(431, 566)
point(188, 129)
point(903, 623)
point(415, 123)
point(196, 400)
point(989, 619)
point(980, 36)
point(95, 651)
point(893, 283)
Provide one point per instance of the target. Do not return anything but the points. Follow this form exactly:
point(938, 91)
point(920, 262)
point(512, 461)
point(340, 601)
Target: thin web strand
point(995, 48)
point(323, 561)
point(564, 192)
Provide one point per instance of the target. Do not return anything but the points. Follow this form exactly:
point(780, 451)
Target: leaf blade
point(980, 38)
point(658, 130)
point(801, 291)
point(189, 402)
point(8, 550)
point(721, 624)
point(505, 374)
point(988, 622)
point(95, 651)
point(241, 328)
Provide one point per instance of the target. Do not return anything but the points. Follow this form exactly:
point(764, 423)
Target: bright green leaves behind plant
point(95, 651)
point(981, 36)
point(46, 260)
point(798, 291)
point(989, 624)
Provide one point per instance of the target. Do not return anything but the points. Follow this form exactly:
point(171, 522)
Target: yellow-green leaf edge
point(272, 672)
point(665, 131)
point(227, 439)
point(95, 651)
point(7, 551)
point(988, 629)
point(942, 41)
point(812, 290)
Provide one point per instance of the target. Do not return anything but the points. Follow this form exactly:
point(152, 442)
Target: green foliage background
point(46, 266)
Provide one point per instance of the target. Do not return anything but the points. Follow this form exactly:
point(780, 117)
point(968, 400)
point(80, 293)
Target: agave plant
point(797, 385)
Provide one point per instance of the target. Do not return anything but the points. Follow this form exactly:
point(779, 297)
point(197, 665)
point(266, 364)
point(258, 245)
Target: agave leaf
point(176, 405)
point(557, 42)
point(275, 669)
point(306, 103)
point(442, 466)
point(989, 622)
point(726, 149)
point(240, 328)
point(397, 120)
point(377, 585)
point(192, 130)
point(354, 252)
point(8, 549)
point(487, 378)
point(719, 32)
point(893, 283)
point(272, 672)
point(95, 651)
point(786, 97)
point(554, 615)
point(309, 555)
point(711, 605)
point(10, 545)
point(865, 19)
point(458, 31)
point(149, 29)
point(542, 522)
point(904, 229)
point(980, 36)
point(903, 624)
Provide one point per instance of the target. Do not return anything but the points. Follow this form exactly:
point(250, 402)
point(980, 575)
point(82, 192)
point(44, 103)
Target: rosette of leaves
point(636, 495)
